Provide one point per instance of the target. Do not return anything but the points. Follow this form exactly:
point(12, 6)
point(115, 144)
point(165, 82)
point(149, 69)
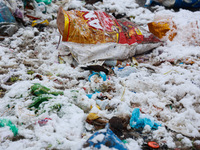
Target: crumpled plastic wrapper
point(95, 35)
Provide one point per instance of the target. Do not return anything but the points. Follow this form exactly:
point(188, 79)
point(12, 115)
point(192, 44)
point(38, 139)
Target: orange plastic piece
point(161, 28)
point(153, 145)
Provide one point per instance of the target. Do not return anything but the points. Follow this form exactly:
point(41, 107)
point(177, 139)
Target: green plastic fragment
point(56, 107)
point(56, 93)
point(38, 89)
point(124, 141)
point(6, 122)
point(42, 94)
point(30, 72)
point(14, 79)
point(38, 100)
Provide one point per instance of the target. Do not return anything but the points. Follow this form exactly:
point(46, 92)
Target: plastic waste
point(40, 25)
point(8, 24)
point(175, 3)
point(153, 144)
point(95, 35)
point(107, 138)
point(42, 94)
point(38, 100)
point(101, 96)
point(115, 63)
point(124, 141)
point(164, 28)
point(8, 29)
point(100, 74)
point(47, 2)
point(124, 71)
point(140, 121)
point(96, 68)
point(37, 89)
point(6, 122)
point(43, 121)
point(90, 95)
point(17, 8)
point(167, 3)
point(142, 58)
point(103, 104)
point(98, 124)
point(92, 116)
point(39, 22)
point(42, 7)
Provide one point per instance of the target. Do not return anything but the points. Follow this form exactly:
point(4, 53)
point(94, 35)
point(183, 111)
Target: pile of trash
point(99, 74)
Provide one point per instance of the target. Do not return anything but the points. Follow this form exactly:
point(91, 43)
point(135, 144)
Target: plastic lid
point(153, 145)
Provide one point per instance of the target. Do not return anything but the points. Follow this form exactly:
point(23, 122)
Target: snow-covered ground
point(165, 87)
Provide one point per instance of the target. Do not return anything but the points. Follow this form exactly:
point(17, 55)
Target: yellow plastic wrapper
point(36, 22)
point(92, 116)
point(96, 35)
point(161, 27)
